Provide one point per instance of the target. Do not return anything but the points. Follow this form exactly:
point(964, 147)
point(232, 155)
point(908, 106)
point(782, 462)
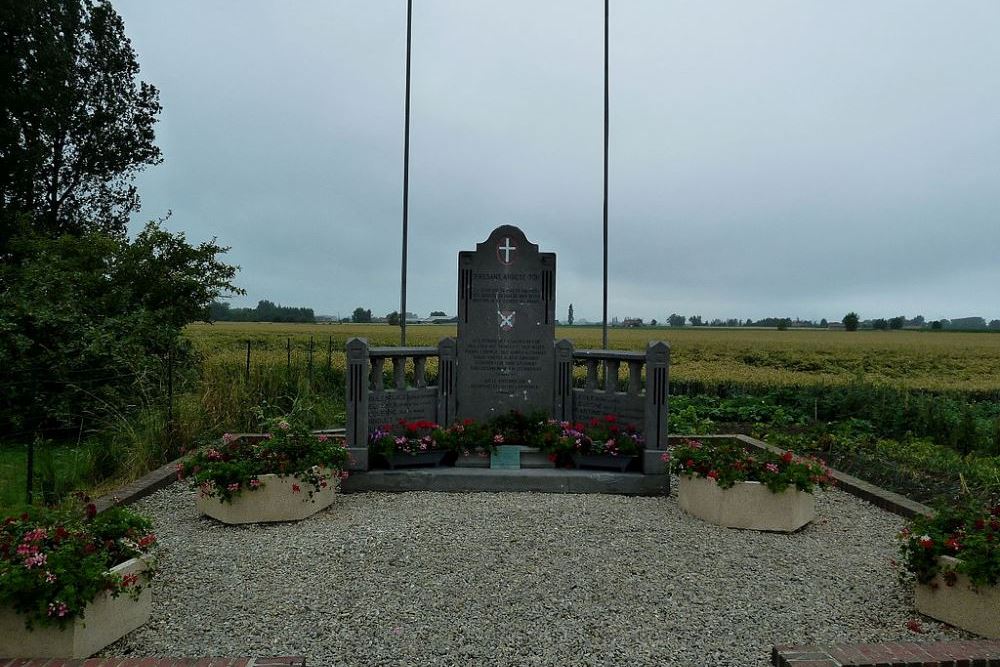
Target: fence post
point(310, 363)
point(170, 389)
point(30, 482)
point(357, 388)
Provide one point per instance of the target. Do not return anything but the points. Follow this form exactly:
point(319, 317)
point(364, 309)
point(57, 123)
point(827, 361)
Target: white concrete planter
point(106, 620)
point(748, 505)
point(961, 605)
point(275, 500)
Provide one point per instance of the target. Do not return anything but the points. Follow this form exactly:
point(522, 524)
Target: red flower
point(914, 626)
point(787, 457)
point(91, 511)
point(611, 419)
point(296, 488)
point(952, 544)
point(89, 548)
point(712, 474)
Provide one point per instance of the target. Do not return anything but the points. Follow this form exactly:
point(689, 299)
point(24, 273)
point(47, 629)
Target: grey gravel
point(519, 579)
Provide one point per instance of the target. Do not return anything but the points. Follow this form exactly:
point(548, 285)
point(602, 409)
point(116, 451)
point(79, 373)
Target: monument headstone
point(506, 327)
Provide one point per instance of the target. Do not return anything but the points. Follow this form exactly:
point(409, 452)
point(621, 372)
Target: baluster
point(419, 371)
point(591, 374)
point(399, 372)
point(634, 377)
point(377, 379)
point(611, 367)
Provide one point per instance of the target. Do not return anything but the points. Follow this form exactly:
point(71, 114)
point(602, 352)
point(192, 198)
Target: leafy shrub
point(53, 562)
point(728, 463)
point(287, 448)
point(968, 532)
point(407, 437)
point(602, 435)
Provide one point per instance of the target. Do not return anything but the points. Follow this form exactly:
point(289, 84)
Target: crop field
point(751, 358)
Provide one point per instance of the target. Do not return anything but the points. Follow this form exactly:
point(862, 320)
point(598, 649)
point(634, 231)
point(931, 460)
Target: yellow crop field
point(939, 361)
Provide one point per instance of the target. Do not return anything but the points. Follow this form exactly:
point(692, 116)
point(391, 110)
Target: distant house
point(839, 326)
point(632, 322)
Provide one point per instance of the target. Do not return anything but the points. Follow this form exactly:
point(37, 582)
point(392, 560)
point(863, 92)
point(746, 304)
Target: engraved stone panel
point(506, 326)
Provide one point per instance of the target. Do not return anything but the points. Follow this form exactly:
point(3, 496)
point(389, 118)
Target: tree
point(937, 325)
point(897, 322)
point(784, 323)
point(435, 313)
point(880, 323)
point(676, 320)
point(917, 321)
point(392, 319)
point(994, 325)
point(695, 320)
point(653, 322)
point(76, 125)
point(851, 321)
point(361, 315)
point(569, 316)
point(823, 323)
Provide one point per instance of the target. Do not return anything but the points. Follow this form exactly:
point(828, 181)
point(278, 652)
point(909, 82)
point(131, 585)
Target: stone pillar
point(657, 393)
point(357, 402)
point(562, 407)
point(447, 382)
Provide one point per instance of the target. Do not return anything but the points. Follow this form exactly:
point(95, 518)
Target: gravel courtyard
point(518, 579)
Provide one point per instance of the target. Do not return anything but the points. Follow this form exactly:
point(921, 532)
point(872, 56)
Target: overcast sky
point(790, 158)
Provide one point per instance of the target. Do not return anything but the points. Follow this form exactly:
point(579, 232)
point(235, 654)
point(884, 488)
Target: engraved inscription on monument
point(506, 326)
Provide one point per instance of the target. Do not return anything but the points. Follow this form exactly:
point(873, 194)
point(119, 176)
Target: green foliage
point(967, 531)
point(600, 435)
point(53, 562)
point(729, 462)
point(467, 438)
point(89, 322)
point(288, 447)
point(851, 321)
point(392, 319)
point(265, 311)
point(361, 315)
point(77, 125)
point(407, 437)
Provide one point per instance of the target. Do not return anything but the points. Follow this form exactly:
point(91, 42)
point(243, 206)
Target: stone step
point(537, 480)
point(286, 661)
point(978, 653)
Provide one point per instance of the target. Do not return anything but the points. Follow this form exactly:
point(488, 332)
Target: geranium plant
point(407, 437)
point(729, 462)
point(288, 447)
point(54, 561)
point(467, 438)
point(967, 532)
point(601, 435)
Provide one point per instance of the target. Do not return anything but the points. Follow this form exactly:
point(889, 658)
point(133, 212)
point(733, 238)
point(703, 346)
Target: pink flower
point(235, 486)
point(35, 560)
point(213, 455)
point(228, 438)
point(771, 467)
point(254, 483)
point(344, 474)
point(498, 438)
point(322, 438)
point(58, 608)
point(49, 577)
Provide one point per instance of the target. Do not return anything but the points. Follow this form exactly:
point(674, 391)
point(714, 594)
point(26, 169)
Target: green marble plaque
point(506, 457)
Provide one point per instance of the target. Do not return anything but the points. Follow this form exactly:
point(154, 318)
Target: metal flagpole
point(406, 178)
point(605, 327)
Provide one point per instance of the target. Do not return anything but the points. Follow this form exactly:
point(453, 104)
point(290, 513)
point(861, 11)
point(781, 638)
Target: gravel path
point(518, 579)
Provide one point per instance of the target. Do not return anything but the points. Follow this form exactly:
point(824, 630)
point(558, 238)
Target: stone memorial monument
point(506, 326)
point(506, 358)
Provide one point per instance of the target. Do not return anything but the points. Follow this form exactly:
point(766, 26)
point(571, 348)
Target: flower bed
point(600, 443)
point(954, 557)
point(287, 475)
point(72, 581)
point(725, 484)
point(409, 443)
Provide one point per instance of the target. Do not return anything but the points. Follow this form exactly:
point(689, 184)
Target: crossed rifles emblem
point(506, 319)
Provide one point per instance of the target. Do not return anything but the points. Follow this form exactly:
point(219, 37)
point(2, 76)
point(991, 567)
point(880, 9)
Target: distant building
point(839, 326)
